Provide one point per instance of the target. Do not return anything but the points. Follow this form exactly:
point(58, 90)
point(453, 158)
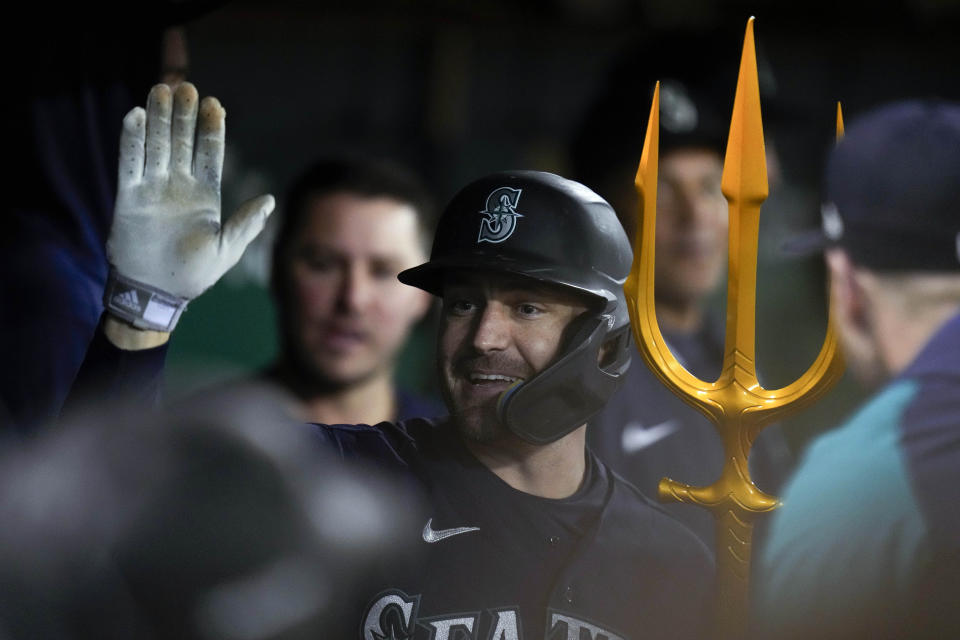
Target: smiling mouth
point(488, 378)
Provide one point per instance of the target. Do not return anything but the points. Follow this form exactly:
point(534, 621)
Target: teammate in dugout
point(867, 543)
point(645, 432)
point(529, 535)
point(350, 225)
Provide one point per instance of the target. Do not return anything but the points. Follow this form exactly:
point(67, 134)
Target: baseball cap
point(893, 190)
point(697, 71)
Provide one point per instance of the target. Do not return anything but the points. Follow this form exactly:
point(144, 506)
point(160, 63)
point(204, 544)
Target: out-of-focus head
point(349, 227)
point(893, 187)
point(891, 227)
point(218, 521)
point(535, 331)
point(697, 74)
point(691, 230)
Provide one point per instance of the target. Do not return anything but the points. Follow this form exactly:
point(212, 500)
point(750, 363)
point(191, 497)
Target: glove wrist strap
point(143, 306)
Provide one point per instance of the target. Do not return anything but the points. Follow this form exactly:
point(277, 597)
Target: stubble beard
point(477, 420)
point(479, 423)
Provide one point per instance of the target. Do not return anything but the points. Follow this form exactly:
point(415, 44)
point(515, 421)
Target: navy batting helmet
point(544, 227)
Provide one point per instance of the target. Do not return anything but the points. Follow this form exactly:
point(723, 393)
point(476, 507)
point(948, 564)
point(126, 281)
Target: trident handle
point(736, 402)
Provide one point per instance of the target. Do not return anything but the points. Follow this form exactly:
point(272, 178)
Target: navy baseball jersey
point(604, 563)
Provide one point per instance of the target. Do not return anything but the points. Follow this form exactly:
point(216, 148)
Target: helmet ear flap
point(566, 394)
point(616, 350)
point(580, 329)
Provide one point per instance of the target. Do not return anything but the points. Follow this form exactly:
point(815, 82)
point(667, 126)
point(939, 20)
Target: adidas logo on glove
point(129, 300)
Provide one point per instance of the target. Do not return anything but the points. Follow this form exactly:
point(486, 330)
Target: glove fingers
point(185, 101)
point(159, 105)
point(130, 169)
point(244, 225)
point(211, 132)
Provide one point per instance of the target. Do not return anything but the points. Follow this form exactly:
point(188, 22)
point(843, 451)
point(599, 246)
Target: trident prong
point(736, 402)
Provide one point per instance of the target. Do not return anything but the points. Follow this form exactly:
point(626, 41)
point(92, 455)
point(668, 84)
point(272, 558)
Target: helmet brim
point(431, 275)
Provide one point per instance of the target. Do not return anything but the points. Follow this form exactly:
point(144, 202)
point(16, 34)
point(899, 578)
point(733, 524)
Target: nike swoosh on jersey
point(636, 437)
point(436, 535)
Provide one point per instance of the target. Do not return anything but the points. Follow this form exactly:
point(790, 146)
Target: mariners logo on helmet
point(501, 212)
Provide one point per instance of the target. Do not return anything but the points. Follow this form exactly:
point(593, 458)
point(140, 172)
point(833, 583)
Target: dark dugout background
point(459, 89)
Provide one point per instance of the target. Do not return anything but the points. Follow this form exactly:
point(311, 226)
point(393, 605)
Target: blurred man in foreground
point(214, 521)
point(867, 543)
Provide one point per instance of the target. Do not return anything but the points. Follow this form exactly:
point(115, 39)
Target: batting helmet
point(544, 227)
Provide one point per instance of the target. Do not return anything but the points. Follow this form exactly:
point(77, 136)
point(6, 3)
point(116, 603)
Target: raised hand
point(168, 243)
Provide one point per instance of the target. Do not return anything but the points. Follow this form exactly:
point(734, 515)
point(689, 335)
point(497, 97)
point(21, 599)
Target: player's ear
point(847, 294)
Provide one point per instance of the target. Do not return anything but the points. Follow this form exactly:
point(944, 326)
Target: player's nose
point(684, 206)
point(492, 329)
point(356, 288)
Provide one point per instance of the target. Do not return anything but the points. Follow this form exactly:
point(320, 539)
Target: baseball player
point(528, 534)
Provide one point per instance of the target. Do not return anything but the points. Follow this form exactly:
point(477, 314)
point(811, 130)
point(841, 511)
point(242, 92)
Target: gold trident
point(736, 403)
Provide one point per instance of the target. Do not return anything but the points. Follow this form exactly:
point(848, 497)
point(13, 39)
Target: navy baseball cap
point(696, 99)
point(893, 190)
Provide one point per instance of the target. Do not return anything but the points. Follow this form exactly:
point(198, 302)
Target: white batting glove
point(167, 244)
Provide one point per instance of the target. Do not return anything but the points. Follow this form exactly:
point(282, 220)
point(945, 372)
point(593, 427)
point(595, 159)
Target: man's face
point(346, 315)
point(691, 232)
point(496, 331)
